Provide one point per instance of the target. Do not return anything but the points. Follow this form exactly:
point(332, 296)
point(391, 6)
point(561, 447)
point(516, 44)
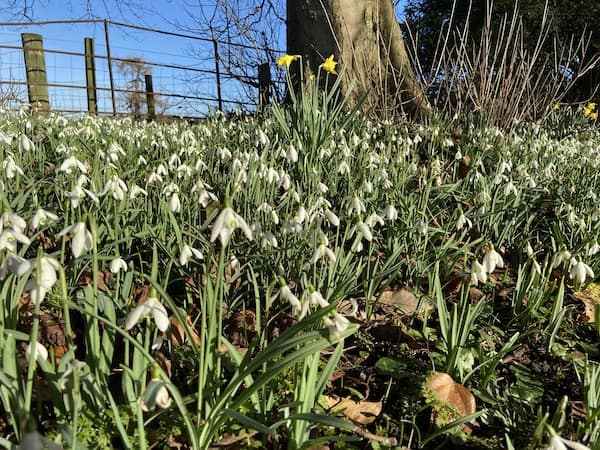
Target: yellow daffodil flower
point(589, 109)
point(329, 65)
point(286, 60)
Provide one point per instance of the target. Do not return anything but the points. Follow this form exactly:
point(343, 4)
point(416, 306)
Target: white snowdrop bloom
point(373, 219)
point(422, 227)
point(42, 217)
point(9, 238)
point(291, 154)
point(463, 222)
point(150, 307)
point(300, 216)
point(336, 324)
point(172, 193)
point(536, 266)
point(391, 213)
point(331, 217)
point(504, 167)
point(343, 168)
point(70, 164)
point(40, 352)
point(286, 294)
point(136, 191)
point(594, 248)
point(12, 221)
point(559, 443)
point(11, 168)
point(155, 395)
point(114, 151)
point(81, 238)
point(323, 251)
point(174, 161)
point(529, 250)
point(272, 176)
point(161, 170)
point(118, 264)
point(510, 188)
point(226, 223)
point(25, 144)
point(316, 299)
point(116, 187)
point(186, 254)
point(79, 193)
point(322, 188)
point(580, 271)
point(184, 171)
point(224, 154)
point(561, 257)
point(492, 260)
point(38, 286)
point(478, 274)
point(364, 230)
point(267, 239)
point(141, 161)
point(5, 139)
point(367, 186)
point(596, 214)
point(154, 178)
point(262, 138)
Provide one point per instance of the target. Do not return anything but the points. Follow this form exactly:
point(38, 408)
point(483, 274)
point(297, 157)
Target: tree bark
point(365, 37)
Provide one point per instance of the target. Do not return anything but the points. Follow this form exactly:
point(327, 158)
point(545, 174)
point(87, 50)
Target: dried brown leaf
point(361, 413)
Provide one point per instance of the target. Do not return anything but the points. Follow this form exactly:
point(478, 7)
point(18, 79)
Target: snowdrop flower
point(114, 152)
point(373, 219)
point(579, 271)
point(38, 286)
point(81, 238)
point(11, 168)
point(391, 213)
point(154, 178)
point(141, 161)
point(561, 257)
point(343, 168)
point(322, 187)
point(79, 192)
point(463, 221)
point(226, 223)
point(422, 227)
point(492, 260)
point(12, 230)
point(41, 217)
point(25, 144)
point(70, 164)
point(321, 252)
point(150, 306)
point(529, 250)
point(594, 248)
point(364, 230)
point(172, 192)
point(156, 394)
point(118, 264)
point(40, 352)
point(336, 324)
point(285, 293)
point(331, 217)
point(116, 187)
point(136, 191)
point(478, 274)
point(186, 254)
point(559, 443)
point(291, 154)
point(262, 138)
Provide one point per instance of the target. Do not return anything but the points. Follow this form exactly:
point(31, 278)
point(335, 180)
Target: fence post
point(149, 96)
point(218, 73)
point(264, 85)
point(35, 68)
point(110, 72)
point(90, 75)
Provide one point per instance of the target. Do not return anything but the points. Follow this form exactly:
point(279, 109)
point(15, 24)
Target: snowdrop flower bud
point(463, 221)
point(391, 213)
point(365, 230)
point(291, 154)
point(331, 217)
point(529, 250)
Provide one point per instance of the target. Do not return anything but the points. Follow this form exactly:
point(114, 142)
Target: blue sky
point(169, 15)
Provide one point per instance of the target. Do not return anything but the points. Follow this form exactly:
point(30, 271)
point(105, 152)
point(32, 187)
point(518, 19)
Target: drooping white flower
point(41, 217)
point(116, 186)
point(365, 230)
point(316, 299)
point(580, 271)
point(11, 168)
point(226, 223)
point(478, 274)
point(81, 238)
point(391, 213)
point(559, 443)
point(136, 191)
point(40, 352)
point(118, 264)
point(185, 256)
point(336, 324)
point(463, 221)
point(594, 248)
point(322, 251)
point(150, 307)
point(561, 257)
point(155, 394)
point(285, 293)
point(70, 164)
point(492, 260)
point(25, 144)
point(39, 287)
point(172, 192)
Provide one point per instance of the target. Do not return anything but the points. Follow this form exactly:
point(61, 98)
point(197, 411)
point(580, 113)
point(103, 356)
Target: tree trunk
point(365, 37)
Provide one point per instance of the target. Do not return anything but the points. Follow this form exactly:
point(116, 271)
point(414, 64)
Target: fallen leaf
point(451, 401)
point(590, 297)
point(361, 413)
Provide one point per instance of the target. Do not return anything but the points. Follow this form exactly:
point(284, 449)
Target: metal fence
point(128, 69)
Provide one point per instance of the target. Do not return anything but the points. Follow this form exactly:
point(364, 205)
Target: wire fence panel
point(187, 73)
